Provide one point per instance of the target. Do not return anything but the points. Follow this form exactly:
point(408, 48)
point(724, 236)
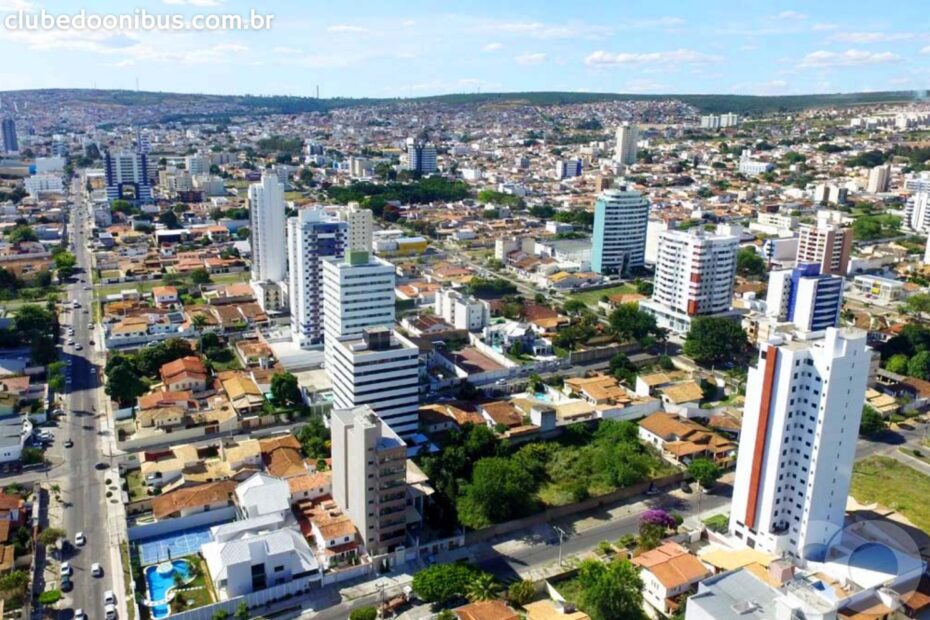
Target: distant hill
point(190, 105)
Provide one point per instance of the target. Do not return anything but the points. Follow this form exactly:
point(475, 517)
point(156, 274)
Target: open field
point(590, 298)
point(894, 485)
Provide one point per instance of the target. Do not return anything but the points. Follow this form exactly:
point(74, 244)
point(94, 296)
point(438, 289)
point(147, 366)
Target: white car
point(109, 598)
point(96, 570)
point(79, 614)
point(79, 539)
point(65, 569)
point(109, 612)
point(78, 346)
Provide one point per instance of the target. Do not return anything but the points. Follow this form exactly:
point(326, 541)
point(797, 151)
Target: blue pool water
point(160, 580)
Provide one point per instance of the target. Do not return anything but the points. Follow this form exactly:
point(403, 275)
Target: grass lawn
point(136, 485)
point(146, 286)
point(127, 577)
point(590, 298)
point(224, 359)
point(895, 485)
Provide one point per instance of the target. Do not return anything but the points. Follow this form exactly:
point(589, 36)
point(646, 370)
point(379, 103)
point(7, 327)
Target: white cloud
point(539, 30)
point(407, 23)
point(601, 58)
point(659, 22)
point(925, 50)
point(824, 27)
point(530, 59)
point(193, 2)
point(492, 47)
point(871, 37)
point(286, 50)
point(791, 15)
point(849, 58)
point(345, 28)
point(13, 6)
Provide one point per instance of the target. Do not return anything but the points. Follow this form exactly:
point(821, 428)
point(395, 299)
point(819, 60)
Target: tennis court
point(172, 546)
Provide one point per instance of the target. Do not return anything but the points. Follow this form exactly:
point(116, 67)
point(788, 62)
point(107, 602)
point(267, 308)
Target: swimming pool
point(160, 579)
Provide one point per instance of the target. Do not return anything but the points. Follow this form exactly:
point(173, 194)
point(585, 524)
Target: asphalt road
point(82, 483)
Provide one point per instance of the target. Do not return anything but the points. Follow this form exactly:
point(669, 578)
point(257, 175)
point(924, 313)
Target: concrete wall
point(559, 512)
point(142, 531)
point(268, 596)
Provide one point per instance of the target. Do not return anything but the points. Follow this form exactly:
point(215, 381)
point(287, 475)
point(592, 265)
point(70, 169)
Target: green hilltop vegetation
point(280, 104)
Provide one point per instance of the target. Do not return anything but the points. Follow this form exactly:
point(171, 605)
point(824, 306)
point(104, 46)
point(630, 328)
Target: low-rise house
point(667, 572)
point(165, 296)
point(310, 486)
point(331, 531)
point(282, 456)
point(193, 499)
point(486, 610)
point(243, 393)
point(185, 374)
point(682, 440)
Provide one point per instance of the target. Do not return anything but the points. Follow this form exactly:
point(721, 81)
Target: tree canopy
point(712, 340)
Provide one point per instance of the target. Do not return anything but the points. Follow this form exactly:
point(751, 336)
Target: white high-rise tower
point(266, 217)
point(625, 149)
point(798, 442)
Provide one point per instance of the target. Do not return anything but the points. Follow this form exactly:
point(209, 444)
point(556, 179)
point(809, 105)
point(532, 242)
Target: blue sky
point(414, 48)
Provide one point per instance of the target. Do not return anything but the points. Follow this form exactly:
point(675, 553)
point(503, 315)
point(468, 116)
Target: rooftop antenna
point(317, 91)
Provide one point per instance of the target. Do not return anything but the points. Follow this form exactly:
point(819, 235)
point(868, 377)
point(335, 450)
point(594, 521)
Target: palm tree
point(198, 321)
point(482, 588)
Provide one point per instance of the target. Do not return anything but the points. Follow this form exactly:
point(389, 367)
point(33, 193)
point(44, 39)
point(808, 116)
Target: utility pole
point(562, 535)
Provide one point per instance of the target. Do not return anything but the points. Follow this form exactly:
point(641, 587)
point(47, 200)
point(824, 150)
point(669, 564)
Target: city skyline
point(418, 49)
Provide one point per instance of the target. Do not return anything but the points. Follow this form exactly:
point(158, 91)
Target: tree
point(220, 614)
point(21, 232)
point(123, 383)
point(14, 581)
point(242, 612)
point(482, 588)
point(516, 349)
point(446, 614)
point(65, 263)
point(628, 322)
point(872, 422)
point(712, 340)
point(314, 438)
point(897, 363)
point(622, 368)
point(500, 490)
point(653, 524)
point(705, 472)
point(363, 613)
point(32, 321)
point(200, 276)
point(521, 592)
point(169, 219)
point(285, 391)
point(574, 307)
point(919, 365)
point(918, 304)
point(440, 583)
point(611, 591)
point(50, 536)
point(749, 263)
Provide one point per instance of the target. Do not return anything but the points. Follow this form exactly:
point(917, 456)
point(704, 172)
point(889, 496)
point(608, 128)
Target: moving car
point(79, 539)
point(96, 570)
point(79, 614)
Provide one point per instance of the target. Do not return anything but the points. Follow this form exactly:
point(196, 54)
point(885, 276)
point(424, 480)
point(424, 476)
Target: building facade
point(625, 147)
point(621, 216)
point(369, 477)
point(127, 177)
point(694, 277)
point(266, 219)
point(825, 244)
point(805, 297)
point(360, 227)
point(798, 443)
point(8, 136)
point(311, 236)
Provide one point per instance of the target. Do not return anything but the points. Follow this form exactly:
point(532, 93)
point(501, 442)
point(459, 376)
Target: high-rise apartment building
point(621, 215)
point(381, 369)
point(805, 297)
point(358, 292)
point(460, 311)
point(826, 244)
point(266, 219)
point(8, 136)
point(311, 236)
point(361, 227)
point(568, 168)
point(879, 179)
point(196, 164)
point(625, 147)
point(421, 157)
point(127, 177)
point(694, 276)
point(369, 477)
point(798, 443)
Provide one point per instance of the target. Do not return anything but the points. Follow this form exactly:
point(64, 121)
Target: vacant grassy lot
point(592, 297)
point(884, 480)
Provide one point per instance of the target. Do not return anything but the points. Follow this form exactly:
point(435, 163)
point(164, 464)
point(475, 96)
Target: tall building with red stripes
point(798, 441)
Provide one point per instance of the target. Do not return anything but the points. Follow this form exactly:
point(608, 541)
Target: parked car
point(96, 569)
point(79, 539)
point(109, 598)
point(65, 569)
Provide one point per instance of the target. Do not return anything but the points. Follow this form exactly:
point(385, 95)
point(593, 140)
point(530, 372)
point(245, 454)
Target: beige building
point(827, 245)
point(369, 476)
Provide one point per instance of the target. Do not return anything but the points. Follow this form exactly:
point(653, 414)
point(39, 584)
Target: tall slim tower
point(621, 215)
point(827, 244)
point(266, 217)
point(625, 149)
point(798, 442)
point(311, 236)
point(8, 136)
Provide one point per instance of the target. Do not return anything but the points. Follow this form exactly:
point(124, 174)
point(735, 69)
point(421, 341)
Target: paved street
point(83, 503)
